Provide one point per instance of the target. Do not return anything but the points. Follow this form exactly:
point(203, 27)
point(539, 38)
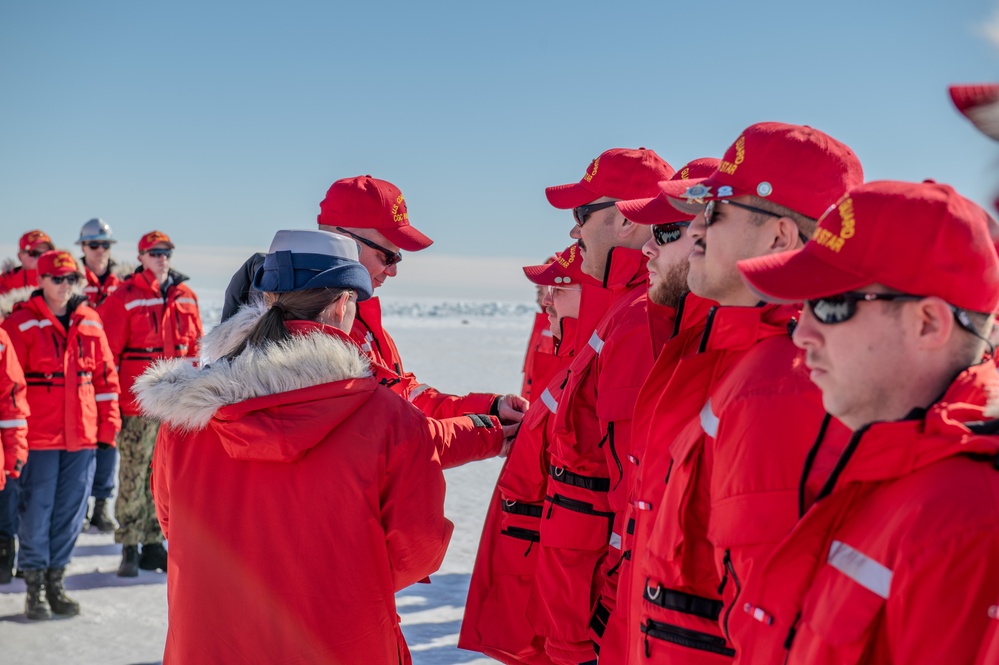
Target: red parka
point(502, 584)
point(18, 278)
point(143, 325)
point(293, 515)
point(896, 560)
point(13, 411)
point(94, 289)
point(539, 362)
point(72, 382)
point(989, 653)
point(741, 417)
point(457, 446)
point(588, 482)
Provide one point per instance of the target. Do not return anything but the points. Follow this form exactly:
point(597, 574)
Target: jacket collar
point(738, 328)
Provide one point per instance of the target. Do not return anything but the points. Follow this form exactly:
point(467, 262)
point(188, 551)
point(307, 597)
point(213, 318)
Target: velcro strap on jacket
point(517, 508)
point(598, 621)
point(576, 480)
point(480, 420)
point(686, 603)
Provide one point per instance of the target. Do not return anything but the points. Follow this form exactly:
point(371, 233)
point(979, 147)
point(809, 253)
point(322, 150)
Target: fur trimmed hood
point(187, 397)
point(13, 297)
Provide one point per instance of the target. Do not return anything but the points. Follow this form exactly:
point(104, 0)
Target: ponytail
point(305, 305)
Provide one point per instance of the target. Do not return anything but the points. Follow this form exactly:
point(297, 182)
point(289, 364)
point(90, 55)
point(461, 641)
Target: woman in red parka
point(298, 495)
point(73, 398)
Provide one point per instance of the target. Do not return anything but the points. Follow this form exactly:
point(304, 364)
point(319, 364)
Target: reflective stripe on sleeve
point(106, 397)
point(862, 569)
point(596, 342)
point(709, 421)
point(6, 424)
point(548, 400)
point(88, 322)
point(151, 302)
point(615, 541)
point(189, 301)
point(417, 391)
point(33, 323)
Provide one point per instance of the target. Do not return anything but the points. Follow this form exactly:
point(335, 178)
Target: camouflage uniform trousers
point(134, 508)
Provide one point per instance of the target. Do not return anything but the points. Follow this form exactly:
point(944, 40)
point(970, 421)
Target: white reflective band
point(34, 323)
point(143, 303)
point(596, 343)
point(189, 301)
point(548, 400)
point(709, 421)
point(366, 347)
point(2, 348)
point(417, 391)
point(642, 505)
point(88, 322)
point(615, 541)
point(368, 338)
point(106, 397)
point(13, 423)
point(547, 332)
point(860, 568)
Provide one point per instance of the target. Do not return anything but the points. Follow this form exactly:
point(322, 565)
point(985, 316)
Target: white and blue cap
point(299, 260)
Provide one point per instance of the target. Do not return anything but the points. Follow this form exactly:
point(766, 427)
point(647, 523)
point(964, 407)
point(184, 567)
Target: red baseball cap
point(658, 209)
point(619, 173)
point(924, 239)
point(33, 239)
point(368, 203)
point(979, 103)
point(794, 166)
point(57, 262)
point(563, 271)
point(154, 238)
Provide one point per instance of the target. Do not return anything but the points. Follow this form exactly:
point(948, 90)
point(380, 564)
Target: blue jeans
point(55, 485)
point(9, 497)
point(104, 475)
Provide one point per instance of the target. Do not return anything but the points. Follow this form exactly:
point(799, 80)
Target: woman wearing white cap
point(297, 494)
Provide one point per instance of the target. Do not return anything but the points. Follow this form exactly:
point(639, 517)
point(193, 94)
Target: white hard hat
point(95, 229)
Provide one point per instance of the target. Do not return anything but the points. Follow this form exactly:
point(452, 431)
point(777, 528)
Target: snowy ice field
point(456, 347)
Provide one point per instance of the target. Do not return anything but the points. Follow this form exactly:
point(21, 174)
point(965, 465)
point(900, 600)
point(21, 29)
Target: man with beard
point(588, 481)
point(738, 413)
point(667, 265)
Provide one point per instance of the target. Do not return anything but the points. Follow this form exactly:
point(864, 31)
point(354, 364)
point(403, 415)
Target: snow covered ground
point(455, 347)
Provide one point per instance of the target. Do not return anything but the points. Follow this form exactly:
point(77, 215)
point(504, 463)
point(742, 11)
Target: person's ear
point(785, 235)
point(933, 322)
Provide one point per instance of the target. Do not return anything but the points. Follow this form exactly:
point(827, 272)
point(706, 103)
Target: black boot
point(101, 520)
point(154, 557)
point(55, 593)
point(6, 560)
point(129, 566)
point(35, 606)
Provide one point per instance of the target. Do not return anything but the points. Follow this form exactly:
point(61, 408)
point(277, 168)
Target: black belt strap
point(686, 603)
point(576, 480)
point(517, 508)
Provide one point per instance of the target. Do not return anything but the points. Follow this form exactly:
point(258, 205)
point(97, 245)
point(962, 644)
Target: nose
point(574, 232)
point(697, 227)
point(392, 270)
point(547, 300)
point(650, 248)
point(807, 333)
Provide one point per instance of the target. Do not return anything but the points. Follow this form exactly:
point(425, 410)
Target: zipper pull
point(759, 614)
point(726, 563)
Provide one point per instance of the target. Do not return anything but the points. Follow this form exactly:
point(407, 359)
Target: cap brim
point(406, 237)
point(656, 210)
point(675, 190)
point(797, 276)
point(566, 197)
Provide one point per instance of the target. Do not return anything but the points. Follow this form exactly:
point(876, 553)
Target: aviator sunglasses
point(157, 253)
point(391, 258)
point(95, 244)
point(667, 233)
point(71, 278)
point(581, 213)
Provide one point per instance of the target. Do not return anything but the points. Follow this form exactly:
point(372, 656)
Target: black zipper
point(679, 315)
point(692, 639)
point(609, 438)
point(791, 634)
point(707, 330)
point(730, 570)
point(575, 506)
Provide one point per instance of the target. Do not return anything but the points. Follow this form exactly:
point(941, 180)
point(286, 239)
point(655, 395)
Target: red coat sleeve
point(13, 410)
point(159, 480)
point(115, 320)
point(466, 439)
point(106, 388)
point(412, 501)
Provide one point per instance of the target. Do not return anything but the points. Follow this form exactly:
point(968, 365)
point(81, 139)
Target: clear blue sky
point(219, 122)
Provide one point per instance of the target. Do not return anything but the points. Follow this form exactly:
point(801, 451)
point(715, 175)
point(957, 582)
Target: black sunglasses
point(94, 244)
point(390, 258)
point(72, 278)
point(842, 307)
point(667, 233)
point(581, 213)
point(710, 212)
point(157, 253)
point(35, 253)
